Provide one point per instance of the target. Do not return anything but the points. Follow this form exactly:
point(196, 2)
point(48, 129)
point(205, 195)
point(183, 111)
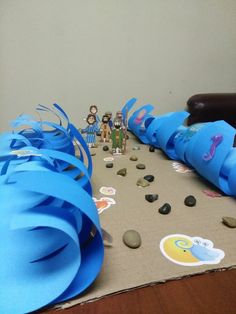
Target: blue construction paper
point(153, 125)
point(127, 107)
point(206, 147)
point(47, 215)
point(138, 129)
point(166, 132)
point(211, 169)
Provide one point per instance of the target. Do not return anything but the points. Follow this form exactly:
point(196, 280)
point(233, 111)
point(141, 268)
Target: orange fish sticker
point(103, 203)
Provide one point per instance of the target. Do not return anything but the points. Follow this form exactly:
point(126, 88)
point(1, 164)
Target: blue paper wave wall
point(206, 147)
point(51, 246)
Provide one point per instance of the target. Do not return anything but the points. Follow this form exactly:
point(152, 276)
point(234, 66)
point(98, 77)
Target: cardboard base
point(126, 268)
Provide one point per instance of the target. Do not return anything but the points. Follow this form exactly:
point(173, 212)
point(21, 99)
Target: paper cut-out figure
point(117, 137)
point(109, 114)
point(105, 129)
point(119, 116)
point(91, 130)
point(94, 110)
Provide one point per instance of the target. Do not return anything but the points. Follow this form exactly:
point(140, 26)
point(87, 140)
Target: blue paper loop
point(51, 239)
point(206, 147)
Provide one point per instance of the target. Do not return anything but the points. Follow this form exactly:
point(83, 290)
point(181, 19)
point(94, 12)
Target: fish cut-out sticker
point(190, 251)
point(103, 203)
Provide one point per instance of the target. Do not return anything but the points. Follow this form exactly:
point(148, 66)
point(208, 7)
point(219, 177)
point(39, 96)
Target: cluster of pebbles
point(132, 238)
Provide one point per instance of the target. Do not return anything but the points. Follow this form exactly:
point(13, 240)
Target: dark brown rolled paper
point(212, 107)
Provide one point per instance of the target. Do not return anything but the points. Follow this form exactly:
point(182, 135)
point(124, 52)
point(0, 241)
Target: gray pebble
point(229, 222)
point(109, 165)
point(165, 209)
point(133, 158)
point(136, 148)
point(140, 166)
point(122, 172)
point(132, 239)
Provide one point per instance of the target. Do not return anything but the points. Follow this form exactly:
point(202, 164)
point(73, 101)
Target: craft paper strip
point(51, 238)
point(206, 147)
point(136, 122)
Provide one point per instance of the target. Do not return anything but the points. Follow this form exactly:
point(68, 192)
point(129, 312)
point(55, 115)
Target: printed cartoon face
point(91, 119)
point(117, 124)
point(105, 119)
point(119, 115)
point(93, 109)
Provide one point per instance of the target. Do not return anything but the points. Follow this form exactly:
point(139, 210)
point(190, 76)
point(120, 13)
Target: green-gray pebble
point(122, 172)
point(132, 239)
point(229, 222)
point(133, 158)
point(142, 182)
point(140, 166)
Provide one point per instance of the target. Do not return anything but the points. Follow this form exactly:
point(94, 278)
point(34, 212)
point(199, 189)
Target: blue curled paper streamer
point(51, 244)
point(206, 147)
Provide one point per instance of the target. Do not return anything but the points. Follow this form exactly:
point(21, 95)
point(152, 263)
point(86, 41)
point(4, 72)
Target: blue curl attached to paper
point(51, 244)
point(206, 147)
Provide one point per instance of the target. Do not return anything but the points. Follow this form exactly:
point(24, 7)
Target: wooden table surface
point(211, 293)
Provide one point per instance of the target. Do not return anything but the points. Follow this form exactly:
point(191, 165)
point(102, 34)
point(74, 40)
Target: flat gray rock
point(132, 239)
point(229, 222)
point(133, 158)
point(140, 166)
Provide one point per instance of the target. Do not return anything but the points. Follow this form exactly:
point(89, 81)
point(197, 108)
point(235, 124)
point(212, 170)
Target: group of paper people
point(109, 130)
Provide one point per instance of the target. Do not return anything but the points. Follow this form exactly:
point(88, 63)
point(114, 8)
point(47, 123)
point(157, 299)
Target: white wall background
point(82, 52)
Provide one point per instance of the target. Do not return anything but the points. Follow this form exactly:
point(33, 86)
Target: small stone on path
point(132, 239)
point(229, 222)
point(151, 197)
point(142, 182)
point(109, 165)
point(165, 209)
point(133, 158)
point(190, 201)
point(122, 172)
point(149, 178)
point(140, 166)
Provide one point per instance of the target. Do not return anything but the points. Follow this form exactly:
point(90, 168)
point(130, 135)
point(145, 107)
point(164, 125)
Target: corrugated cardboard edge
point(72, 303)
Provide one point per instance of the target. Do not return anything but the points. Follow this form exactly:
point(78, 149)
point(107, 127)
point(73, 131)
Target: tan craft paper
point(126, 268)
